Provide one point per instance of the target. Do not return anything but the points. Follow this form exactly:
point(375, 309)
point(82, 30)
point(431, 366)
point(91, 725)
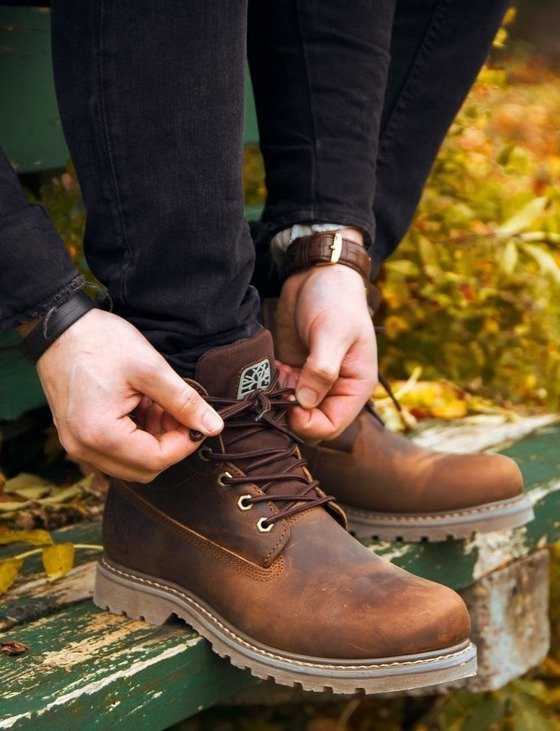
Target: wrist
point(47, 330)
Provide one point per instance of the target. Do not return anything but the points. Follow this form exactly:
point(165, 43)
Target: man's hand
point(100, 371)
point(326, 348)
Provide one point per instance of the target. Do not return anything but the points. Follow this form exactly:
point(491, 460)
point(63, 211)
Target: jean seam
point(110, 156)
point(311, 113)
point(417, 67)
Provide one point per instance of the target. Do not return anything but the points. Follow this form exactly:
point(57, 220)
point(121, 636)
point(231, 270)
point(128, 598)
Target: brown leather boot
point(239, 541)
point(393, 489)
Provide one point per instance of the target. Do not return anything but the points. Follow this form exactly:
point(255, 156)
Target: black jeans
point(353, 99)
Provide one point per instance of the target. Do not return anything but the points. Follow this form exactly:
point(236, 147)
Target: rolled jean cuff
point(272, 224)
point(36, 271)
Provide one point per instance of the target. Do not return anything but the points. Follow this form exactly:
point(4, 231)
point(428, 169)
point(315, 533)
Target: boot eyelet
point(222, 479)
point(264, 528)
point(242, 505)
point(203, 452)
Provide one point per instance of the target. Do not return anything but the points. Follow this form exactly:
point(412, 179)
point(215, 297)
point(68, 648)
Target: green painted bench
point(88, 669)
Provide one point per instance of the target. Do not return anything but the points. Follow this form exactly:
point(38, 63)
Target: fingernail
point(306, 397)
point(211, 422)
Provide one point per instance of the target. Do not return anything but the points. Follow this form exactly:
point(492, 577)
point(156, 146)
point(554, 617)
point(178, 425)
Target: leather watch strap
point(58, 321)
point(325, 249)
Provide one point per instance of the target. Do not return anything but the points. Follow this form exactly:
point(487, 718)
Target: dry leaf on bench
point(9, 570)
point(12, 507)
point(35, 537)
point(58, 559)
point(14, 647)
point(27, 486)
point(58, 495)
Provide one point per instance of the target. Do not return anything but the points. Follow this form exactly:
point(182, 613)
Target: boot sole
point(435, 527)
point(143, 597)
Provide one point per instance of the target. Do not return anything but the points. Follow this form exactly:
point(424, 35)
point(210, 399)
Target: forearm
point(36, 272)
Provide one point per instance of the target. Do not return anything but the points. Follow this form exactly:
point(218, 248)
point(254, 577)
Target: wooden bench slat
point(91, 666)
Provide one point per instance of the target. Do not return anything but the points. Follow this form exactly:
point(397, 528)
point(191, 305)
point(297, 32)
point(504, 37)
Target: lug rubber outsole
point(435, 527)
point(155, 601)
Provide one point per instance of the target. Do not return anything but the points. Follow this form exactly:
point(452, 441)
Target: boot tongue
point(233, 371)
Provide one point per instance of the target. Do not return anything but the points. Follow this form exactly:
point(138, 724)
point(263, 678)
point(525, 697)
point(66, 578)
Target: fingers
point(329, 420)
point(123, 450)
point(321, 369)
point(177, 398)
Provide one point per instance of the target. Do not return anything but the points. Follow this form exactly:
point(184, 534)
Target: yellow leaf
point(427, 251)
point(9, 570)
point(508, 258)
point(523, 218)
point(24, 481)
point(545, 261)
point(33, 492)
point(12, 506)
point(453, 409)
point(34, 537)
point(58, 559)
point(61, 495)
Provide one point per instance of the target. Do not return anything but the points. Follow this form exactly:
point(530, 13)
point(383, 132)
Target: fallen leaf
point(58, 559)
point(13, 506)
point(33, 492)
point(33, 537)
point(25, 481)
point(61, 495)
point(9, 570)
point(14, 647)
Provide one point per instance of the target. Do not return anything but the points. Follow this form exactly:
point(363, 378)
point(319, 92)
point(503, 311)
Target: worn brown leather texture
point(372, 468)
point(306, 586)
point(307, 251)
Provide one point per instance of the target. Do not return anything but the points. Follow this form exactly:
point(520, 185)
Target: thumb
point(320, 371)
point(167, 389)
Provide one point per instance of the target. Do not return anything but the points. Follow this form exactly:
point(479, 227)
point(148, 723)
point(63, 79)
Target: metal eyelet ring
point(264, 528)
point(222, 477)
point(242, 505)
point(202, 452)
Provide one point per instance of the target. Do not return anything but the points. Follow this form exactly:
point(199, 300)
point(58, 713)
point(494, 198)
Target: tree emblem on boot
point(253, 377)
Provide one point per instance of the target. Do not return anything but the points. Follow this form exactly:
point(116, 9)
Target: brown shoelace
point(264, 409)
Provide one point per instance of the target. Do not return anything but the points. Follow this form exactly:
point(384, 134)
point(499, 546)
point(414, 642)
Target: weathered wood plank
point(478, 433)
point(39, 597)
point(89, 669)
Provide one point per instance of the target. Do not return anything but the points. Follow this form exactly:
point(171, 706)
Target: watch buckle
point(336, 247)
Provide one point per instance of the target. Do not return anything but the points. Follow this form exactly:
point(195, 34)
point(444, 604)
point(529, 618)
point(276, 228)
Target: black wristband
point(57, 321)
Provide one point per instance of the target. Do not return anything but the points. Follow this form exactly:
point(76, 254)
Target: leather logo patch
point(254, 376)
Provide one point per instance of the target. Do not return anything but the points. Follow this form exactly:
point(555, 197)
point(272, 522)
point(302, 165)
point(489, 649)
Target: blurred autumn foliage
point(473, 292)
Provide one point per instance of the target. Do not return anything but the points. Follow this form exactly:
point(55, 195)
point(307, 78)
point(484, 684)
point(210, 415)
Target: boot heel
point(133, 601)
